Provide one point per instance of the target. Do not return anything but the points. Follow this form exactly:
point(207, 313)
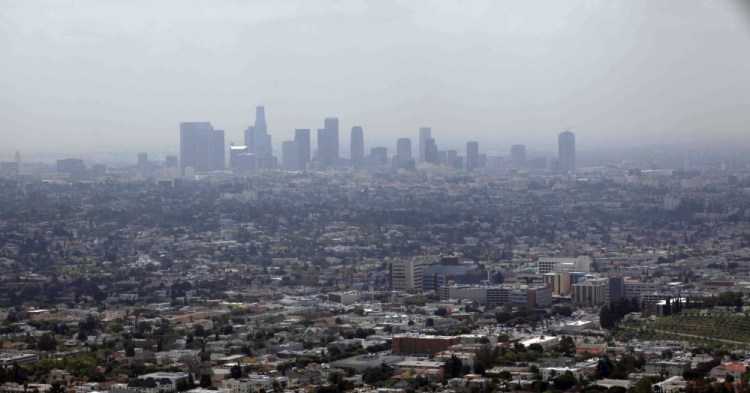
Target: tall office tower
point(406, 275)
point(358, 147)
point(201, 147)
point(451, 158)
point(143, 166)
point(425, 133)
point(260, 119)
point(328, 143)
point(430, 151)
point(403, 148)
point(566, 151)
point(258, 140)
point(302, 137)
point(472, 156)
point(332, 125)
point(403, 158)
point(290, 155)
point(518, 154)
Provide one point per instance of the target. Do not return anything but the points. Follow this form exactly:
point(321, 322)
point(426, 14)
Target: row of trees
point(611, 315)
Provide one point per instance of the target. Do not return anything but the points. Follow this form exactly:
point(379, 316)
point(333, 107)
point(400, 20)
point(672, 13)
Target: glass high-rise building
point(518, 154)
point(431, 151)
point(403, 148)
point(566, 152)
point(290, 155)
point(201, 147)
point(472, 156)
point(302, 137)
point(425, 133)
point(328, 143)
point(357, 151)
point(257, 138)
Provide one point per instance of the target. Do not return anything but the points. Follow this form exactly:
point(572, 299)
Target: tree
point(56, 387)
point(235, 372)
point(564, 311)
point(486, 355)
point(536, 347)
point(503, 317)
point(452, 367)
point(534, 370)
point(47, 342)
point(129, 349)
point(373, 375)
point(566, 346)
point(205, 381)
point(479, 368)
point(610, 315)
point(565, 381)
point(644, 385)
point(604, 368)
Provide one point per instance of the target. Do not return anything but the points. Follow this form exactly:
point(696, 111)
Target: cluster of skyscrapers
point(202, 149)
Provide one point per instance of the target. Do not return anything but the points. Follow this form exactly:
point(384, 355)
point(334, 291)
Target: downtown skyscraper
point(566, 152)
point(328, 144)
point(357, 147)
point(290, 157)
point(258, 141)
point(201, 147)
point(425, 133)
point(302, 137)
point(403, 158)
point(403, 148)
point(518, 154)
point(472, 156)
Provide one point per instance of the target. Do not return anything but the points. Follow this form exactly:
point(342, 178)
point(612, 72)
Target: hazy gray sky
point(120, 75)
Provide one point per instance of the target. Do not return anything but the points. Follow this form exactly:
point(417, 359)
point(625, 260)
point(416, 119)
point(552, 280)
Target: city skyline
point(81, 78)
point(370, 196)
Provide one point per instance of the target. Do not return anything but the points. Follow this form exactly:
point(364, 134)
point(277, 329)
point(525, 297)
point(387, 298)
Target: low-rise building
point(422, 345)
point(667, 367)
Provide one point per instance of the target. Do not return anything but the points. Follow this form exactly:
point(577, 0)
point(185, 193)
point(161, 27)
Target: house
point(734, 369)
